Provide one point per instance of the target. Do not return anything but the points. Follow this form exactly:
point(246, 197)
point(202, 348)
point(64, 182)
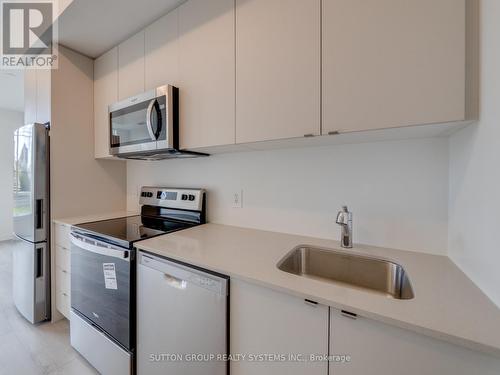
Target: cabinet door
point(105, 93)
point(379, 349)
point(44, 95)
point(131, 66)
point(277, 69)
point(37, 95)
point(62, 235)
point(161, 48)
point(63, 303)
point(268, 322)
point(206, 72)
point(392, 63)
point(30, 96)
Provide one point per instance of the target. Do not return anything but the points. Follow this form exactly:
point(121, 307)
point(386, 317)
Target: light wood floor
point(25, 349)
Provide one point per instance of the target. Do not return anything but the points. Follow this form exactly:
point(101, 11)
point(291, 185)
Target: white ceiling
point(92, 27)
point(12, 90)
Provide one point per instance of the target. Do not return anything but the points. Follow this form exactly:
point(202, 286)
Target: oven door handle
point(97, 247)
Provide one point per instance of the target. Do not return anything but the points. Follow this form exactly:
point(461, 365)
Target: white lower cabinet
point(63, 303)
point(62, 269)
point(276, 332)
point(379, 349)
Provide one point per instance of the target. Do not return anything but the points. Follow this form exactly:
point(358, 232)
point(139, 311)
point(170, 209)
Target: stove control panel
point(186, 199)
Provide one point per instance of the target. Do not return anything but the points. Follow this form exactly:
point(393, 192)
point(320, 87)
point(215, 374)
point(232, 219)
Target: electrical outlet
point(238, 199)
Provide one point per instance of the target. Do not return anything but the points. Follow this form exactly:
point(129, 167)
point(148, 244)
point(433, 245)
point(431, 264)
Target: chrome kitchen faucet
point(344, 219)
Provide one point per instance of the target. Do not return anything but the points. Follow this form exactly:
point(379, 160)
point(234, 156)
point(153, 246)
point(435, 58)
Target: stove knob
point(184, 197)
point(191, 197)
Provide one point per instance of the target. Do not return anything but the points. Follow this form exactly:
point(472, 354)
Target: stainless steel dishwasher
point(182, 319)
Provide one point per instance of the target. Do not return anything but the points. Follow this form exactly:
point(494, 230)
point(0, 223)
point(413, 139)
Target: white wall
point(397, 190)
point(80, 185)
point(9, 121)
point(474, 208)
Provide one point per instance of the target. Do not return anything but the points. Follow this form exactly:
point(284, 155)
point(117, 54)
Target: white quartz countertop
point(96, 217)
point(447, 304)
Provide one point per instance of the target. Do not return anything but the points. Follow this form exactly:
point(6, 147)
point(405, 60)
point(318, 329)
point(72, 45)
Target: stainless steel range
point(103, 274)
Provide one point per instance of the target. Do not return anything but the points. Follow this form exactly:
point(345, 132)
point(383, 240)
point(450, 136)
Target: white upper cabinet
point(206, 73)
point(37, 98)
point(267, 322)
point(30, 96)
point(161, 52)
point(131, 66)
point(391, 63)
point(44, 95)
point(259, 70)
point(105, 93)
point(277, 69)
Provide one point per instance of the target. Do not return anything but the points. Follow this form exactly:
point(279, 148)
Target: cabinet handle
point(311, 303)
point(349, 314)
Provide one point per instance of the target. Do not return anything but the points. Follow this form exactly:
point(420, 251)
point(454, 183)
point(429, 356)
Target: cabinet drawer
point(61, 233)
point(63, 303)
point(63, 258)
point(63, 280)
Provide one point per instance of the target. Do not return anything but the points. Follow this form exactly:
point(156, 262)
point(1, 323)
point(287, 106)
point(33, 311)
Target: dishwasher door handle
point(180, 275)
point(175, 282)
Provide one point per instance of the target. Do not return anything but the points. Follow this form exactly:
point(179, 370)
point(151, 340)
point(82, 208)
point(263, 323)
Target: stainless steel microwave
point(146, 126)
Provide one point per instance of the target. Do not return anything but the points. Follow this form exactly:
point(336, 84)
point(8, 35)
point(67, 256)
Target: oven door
point(138, 124)
point(102, 279)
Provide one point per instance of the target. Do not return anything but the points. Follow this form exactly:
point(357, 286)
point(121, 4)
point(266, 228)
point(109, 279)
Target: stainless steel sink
point(365, 272)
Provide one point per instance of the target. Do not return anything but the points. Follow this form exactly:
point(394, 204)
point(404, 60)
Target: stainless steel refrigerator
point(31, 254)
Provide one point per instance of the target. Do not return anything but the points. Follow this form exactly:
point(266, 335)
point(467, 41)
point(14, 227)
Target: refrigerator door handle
point(39, 214)
point(39, 262)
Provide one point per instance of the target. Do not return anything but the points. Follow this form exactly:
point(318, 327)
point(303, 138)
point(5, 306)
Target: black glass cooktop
point(125, 231)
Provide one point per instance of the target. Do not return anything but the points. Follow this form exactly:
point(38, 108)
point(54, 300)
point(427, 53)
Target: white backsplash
point(397, 190)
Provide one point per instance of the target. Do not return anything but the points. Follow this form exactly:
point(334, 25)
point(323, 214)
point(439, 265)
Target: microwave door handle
point(148, 120)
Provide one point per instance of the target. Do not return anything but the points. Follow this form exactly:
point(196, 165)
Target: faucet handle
point(344, 219)
point(344, 216)
point(341, 218)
